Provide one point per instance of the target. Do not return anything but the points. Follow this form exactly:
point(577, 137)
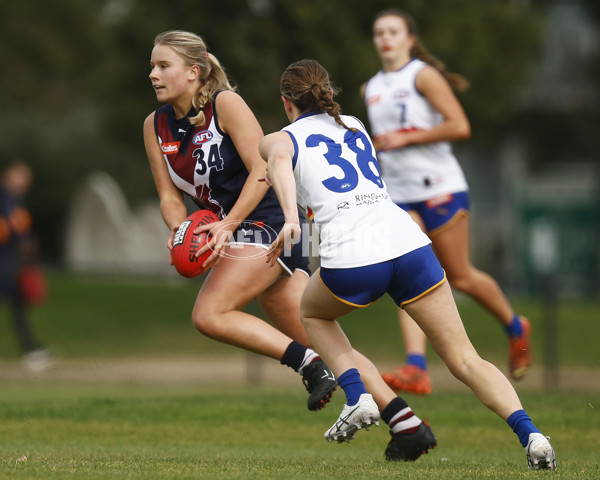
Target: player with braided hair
point(369, 246)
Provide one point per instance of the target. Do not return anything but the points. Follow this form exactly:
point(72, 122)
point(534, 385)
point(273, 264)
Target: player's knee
point(306, 321)
point(206, 323)
point(461, 283)
point(463, 365)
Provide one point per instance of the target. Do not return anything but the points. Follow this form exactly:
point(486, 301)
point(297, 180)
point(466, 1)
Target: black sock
point(396, 405)
point(293, 355)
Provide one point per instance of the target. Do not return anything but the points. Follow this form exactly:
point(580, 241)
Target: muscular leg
point(452, 248)
point(414, 339)
point(438, 317)
point(281, 303)
point(319, 312)
point(320, 309)
point(410, 436)
point(229, 287)
point(412, 377)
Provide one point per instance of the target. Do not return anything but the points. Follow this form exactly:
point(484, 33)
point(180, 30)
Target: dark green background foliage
point(76, 89)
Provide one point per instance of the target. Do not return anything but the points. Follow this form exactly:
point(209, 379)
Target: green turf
point(91, 316)
point(71, 432)
point(201, 431)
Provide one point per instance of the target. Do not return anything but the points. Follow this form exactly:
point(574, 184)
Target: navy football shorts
point(404, 278)
point(263, 232)
point(440, 211)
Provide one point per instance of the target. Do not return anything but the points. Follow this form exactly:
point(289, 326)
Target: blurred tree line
point(76, 87)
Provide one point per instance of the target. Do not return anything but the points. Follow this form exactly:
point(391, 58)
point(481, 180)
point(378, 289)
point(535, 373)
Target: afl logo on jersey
point(400, 93)
point(202, 137)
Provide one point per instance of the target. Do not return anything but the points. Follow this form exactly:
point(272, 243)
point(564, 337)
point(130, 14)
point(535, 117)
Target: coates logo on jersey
point(202, 137)
point(373, 99)
point(169, 148)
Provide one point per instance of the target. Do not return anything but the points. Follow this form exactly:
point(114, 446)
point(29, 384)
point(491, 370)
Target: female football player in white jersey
point(414, 115)
point(325, 162)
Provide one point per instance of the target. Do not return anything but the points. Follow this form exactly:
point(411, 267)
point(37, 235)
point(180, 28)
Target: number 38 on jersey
point(363, 164)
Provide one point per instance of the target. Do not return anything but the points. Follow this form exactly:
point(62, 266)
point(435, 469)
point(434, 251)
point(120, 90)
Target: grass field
point(89, 316)
point(105, 431)
point(211, 432)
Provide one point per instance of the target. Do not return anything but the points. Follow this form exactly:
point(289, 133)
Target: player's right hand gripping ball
point(186, 244)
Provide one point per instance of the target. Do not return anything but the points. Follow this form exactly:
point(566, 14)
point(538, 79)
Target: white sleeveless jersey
point(417, 172)
point(339, 184)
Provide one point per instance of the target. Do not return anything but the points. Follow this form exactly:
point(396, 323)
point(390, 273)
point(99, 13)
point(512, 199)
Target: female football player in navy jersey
point(203, 142)
point(369, 246)
point(414, 115)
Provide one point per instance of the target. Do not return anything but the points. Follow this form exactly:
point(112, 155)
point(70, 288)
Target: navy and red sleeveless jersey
point(204, 163)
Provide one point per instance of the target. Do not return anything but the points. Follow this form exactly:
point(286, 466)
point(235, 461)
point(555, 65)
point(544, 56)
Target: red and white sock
point(405, 421)
point(310, 356)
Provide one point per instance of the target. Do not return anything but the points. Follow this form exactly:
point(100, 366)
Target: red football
point(186, 244)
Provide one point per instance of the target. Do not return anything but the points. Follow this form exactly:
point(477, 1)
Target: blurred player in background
point(414, 115)
point(326, 161)
point(204, 143)
point(18, 247)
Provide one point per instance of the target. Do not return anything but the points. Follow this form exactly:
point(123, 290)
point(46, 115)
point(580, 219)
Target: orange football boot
point(408, 378)
point(520, 352)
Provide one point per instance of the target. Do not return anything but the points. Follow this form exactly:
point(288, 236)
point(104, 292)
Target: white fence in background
point(104, 235)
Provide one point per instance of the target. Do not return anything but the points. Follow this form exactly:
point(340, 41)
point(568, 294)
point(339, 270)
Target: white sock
point(309, 357)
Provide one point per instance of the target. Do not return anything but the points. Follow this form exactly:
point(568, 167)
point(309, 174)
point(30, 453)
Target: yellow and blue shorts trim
point(440, 212)
point(405, 279)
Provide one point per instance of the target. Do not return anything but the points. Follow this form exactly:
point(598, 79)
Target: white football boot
point(364, 414)
point(540, 454)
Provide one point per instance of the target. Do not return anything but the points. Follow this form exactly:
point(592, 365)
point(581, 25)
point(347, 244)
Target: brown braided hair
point(307, 85)
point(456, 81)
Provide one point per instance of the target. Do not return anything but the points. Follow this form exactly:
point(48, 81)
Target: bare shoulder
point(149, 121)
point(227, 99)
point(429, 77)
point(234, 114)
point(276, 142)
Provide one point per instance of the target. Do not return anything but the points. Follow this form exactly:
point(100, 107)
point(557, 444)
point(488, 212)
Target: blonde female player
point(203, 142)
point(414, 115)
point(326, 161)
